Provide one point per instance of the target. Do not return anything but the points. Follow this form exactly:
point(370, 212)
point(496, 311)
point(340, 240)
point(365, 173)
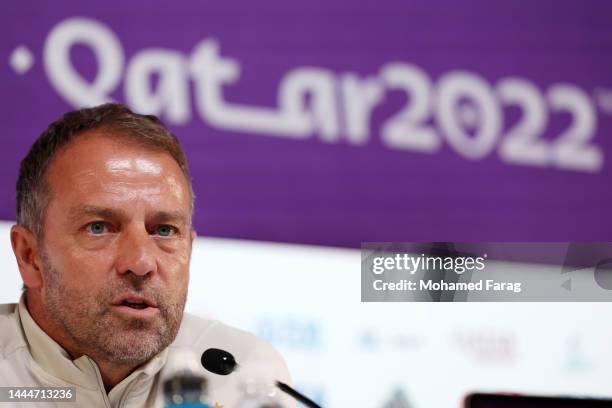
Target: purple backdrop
point(490, 71)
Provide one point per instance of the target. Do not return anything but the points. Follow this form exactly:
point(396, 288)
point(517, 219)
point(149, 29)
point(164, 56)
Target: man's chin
point(122, 325)
point(133, 354)
point(132, 336)
point(134, 345)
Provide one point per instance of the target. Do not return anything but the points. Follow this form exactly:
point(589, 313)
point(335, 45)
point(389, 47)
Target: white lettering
point(62, 75)
point(171, 97)
point(314, 101)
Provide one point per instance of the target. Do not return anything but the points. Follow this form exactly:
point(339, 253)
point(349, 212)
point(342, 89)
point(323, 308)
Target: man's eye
point(165, 230)
point(96, 228)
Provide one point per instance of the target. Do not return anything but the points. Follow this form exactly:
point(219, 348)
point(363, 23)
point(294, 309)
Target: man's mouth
point(133, 301)
point(134, 304)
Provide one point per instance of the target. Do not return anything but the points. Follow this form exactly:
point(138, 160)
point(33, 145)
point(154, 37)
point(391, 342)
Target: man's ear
point(194, 234)
point(25, 248)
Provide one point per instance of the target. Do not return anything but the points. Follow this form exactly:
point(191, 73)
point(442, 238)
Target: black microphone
point(218, 361)
point(221, 362)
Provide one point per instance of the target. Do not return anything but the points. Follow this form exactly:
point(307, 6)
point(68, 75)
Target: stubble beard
point(99, 332)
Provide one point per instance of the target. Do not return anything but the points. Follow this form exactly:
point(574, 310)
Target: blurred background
point(313, 126)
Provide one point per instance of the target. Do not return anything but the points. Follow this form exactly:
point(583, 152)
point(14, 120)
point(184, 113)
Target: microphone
point(221, 362)
point(218, 361)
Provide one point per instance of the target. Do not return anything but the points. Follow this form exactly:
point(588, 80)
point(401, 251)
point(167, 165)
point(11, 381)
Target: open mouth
point(134, 304)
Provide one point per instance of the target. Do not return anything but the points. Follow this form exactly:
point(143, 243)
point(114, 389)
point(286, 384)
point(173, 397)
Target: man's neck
point(112, 374)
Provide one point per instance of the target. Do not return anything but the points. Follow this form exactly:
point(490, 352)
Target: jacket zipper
point(126, 393)
point(101, 384)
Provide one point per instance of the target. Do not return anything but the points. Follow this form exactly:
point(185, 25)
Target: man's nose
point(136, 252)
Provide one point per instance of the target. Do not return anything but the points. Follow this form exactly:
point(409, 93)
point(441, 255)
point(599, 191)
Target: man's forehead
point(138, 164)
point(100, 150)
point(97, 141)
point(97, 164)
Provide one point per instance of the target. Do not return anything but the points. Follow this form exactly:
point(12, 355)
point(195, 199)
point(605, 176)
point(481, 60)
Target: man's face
point(116, 248)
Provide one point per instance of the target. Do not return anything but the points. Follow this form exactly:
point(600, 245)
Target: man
point(103, 244)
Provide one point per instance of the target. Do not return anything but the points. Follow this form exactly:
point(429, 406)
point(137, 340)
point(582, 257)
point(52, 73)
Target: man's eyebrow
point(177, 216)
point(104, 212)
point(94, 210)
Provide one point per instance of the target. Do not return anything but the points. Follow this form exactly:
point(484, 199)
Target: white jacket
point(30, 358)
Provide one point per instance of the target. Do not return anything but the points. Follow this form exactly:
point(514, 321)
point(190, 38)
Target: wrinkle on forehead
point(134, 186)
point(138, 165)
